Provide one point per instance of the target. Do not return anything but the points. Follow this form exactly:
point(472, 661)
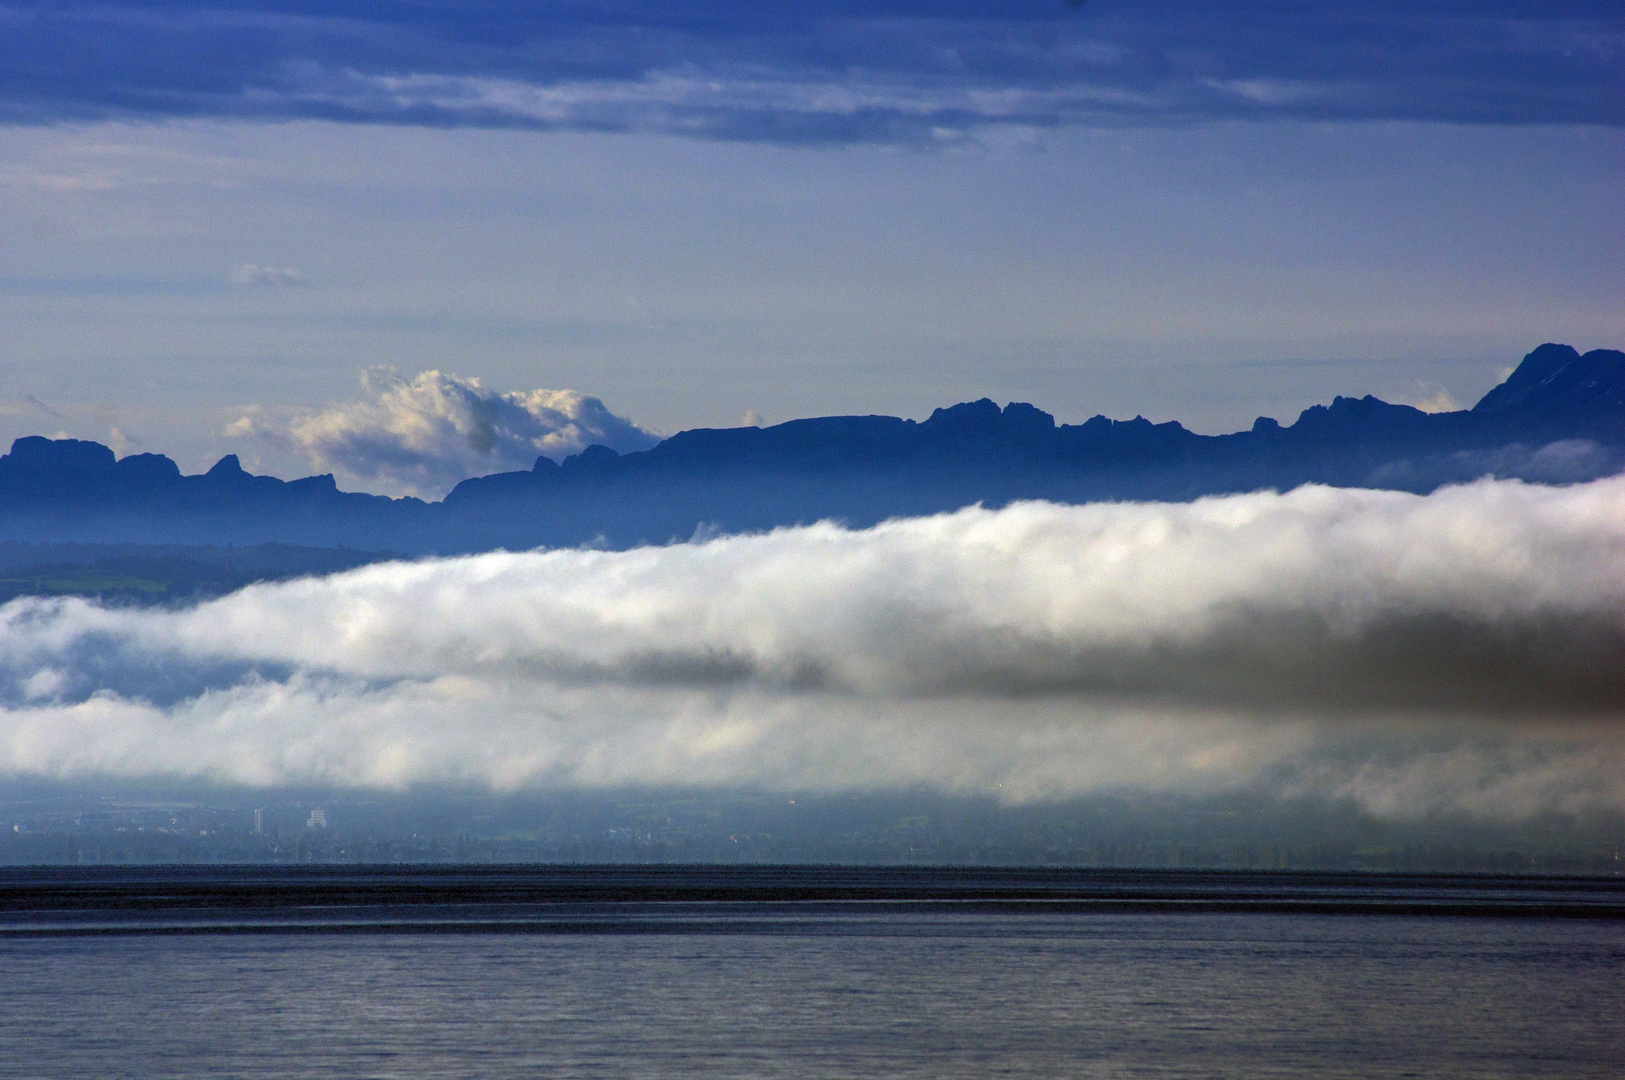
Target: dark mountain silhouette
point(1554, 382)
point(1559, 417)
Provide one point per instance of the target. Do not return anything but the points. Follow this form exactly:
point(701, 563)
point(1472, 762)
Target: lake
point(805, 972)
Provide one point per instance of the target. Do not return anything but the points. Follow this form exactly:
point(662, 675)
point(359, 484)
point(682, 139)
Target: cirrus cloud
point(887, 72)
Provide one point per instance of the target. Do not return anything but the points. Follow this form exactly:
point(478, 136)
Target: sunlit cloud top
point(798, 72)
point(421, 436)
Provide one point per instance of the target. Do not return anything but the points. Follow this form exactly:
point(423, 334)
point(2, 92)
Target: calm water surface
point(898, 993)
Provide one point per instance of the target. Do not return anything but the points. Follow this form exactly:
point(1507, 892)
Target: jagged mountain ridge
point(1560, 416)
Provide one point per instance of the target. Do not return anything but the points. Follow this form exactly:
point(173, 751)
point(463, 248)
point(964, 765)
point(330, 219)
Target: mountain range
point(1559, 417)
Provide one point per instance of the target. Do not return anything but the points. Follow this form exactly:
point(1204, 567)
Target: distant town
point(54, 825)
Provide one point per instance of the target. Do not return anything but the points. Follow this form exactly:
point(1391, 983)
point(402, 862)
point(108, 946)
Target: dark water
point(806, 973)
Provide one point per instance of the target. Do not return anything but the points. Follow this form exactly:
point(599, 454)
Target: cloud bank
point(421, 436)
point(1457, 651)
point(896, 71)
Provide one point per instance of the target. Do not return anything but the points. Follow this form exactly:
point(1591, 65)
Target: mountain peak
point(979, 413)
point(66, 455)
point(1556, 377)
point(227, 466)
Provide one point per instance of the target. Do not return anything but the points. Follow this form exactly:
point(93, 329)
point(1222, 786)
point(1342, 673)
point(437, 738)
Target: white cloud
point(424, 435)
point(690, 100)
point(1456, 651)
point(1429, 397)
point(44, 683)
point(254, 274)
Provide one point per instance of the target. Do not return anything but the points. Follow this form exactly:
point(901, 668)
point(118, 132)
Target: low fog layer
point(1458, 651)
point(421, 436)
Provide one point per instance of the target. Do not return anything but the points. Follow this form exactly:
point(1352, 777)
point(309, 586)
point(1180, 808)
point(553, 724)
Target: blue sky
point(1194, 211)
